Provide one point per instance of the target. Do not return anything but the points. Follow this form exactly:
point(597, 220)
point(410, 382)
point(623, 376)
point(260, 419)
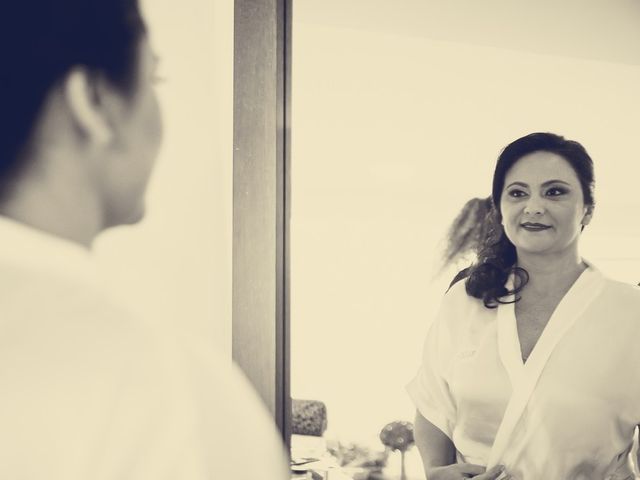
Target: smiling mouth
point(534, 227)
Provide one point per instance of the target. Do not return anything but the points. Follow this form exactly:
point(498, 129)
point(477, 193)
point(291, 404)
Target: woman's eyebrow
point(520, 184)
point(549, 182)
point(544, 184)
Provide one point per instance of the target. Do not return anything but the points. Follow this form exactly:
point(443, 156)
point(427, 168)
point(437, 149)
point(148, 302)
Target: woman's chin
point(136, 215)
point(126, 216)
point(534, 248)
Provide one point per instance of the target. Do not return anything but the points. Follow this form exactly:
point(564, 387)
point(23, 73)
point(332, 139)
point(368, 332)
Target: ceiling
point(603, 30)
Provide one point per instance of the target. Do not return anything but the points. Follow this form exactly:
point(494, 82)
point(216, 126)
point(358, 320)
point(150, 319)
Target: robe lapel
point(508, 342)
point(524, 377)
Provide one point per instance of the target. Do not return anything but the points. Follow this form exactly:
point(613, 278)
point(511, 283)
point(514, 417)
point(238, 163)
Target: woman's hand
point(461, 471)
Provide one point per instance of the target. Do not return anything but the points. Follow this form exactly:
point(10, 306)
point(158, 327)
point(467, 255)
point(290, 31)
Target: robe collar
point(524, 376)
point(43, 253)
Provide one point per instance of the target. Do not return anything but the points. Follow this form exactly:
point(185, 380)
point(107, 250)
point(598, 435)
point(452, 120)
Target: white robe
point(89, 391)
point(568, 413)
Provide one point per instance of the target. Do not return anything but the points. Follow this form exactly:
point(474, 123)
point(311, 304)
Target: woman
point(523, 368)
point(88, 390)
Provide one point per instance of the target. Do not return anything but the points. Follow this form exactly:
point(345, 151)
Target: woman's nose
point(534, 206)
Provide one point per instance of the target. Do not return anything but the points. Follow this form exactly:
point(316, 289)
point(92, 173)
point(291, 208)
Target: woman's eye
point(516, 193)
point(158, 79)
point(555, 191)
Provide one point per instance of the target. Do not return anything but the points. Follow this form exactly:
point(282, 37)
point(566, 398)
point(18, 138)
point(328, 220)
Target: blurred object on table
point(308, 417)
point(357, 460)
point(309, 456)
point(398, 436)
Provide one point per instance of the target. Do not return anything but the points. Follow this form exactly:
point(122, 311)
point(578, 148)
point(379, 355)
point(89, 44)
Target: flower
point(397, 435)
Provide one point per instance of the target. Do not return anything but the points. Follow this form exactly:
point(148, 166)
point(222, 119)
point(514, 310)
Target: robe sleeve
point(430, 389)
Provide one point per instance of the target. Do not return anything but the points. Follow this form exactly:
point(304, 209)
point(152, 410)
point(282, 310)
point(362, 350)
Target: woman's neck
point(64, 210)
point(551, 273)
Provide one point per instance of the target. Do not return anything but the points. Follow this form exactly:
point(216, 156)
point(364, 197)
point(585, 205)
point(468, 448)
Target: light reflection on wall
point(176, 265)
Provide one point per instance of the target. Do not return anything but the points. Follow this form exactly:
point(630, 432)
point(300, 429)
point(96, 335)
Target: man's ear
point(586, 219)
point(82, 94)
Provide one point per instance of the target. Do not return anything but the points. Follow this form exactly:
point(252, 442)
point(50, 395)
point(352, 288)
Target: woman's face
point(542, 205)
point(137, 136)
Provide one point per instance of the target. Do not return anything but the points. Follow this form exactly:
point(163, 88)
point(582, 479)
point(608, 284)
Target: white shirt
point(568, 413)
point(89, 391)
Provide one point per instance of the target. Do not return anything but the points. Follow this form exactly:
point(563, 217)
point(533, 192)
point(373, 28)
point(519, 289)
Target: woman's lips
point(534, 227)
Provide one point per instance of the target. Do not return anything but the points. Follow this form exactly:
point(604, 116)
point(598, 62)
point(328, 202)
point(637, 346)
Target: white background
point(399, 112)
point(176, 265)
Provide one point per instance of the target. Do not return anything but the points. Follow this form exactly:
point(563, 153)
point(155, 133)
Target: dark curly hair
point(469, 229)
point(496, 255)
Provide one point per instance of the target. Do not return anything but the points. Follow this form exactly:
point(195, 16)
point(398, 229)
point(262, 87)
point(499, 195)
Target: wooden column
point(261, 200)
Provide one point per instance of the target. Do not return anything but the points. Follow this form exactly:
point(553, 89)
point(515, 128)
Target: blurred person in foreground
point(530, 369)
point(86, 389)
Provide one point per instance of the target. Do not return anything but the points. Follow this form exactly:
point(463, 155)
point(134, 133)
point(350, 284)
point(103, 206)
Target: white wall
point(392, 133)
point(176, 264)
point(591, 29)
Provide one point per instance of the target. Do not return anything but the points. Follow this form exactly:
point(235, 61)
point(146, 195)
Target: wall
point(176, 264)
